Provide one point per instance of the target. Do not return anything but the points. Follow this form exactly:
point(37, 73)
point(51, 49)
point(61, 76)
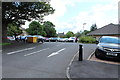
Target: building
point(107, 30)
point(61, 34)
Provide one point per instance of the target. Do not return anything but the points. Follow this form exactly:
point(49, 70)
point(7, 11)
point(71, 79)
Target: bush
point(87, 39)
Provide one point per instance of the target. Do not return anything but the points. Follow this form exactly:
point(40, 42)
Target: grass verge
point(2, 44)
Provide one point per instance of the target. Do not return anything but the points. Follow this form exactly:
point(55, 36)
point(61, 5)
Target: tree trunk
point(0, 23)
point(16, 38)
point(0, 31)
point(4, 32)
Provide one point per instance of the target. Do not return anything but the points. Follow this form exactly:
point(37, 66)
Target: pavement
point(92, 69)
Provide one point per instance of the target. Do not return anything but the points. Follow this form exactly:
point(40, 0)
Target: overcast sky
point(71, 14)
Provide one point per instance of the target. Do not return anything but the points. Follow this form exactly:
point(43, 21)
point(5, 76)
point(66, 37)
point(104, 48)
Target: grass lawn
point(1, 44)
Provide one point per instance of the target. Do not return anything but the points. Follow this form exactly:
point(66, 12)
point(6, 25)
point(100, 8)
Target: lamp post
point(83, 26)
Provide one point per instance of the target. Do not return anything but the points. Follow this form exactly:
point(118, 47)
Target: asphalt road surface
point(47, 60)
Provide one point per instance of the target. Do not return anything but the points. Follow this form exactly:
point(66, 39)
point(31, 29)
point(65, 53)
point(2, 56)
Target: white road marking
point(68, 68)
point(91, 55)
point(55, 53)
point(20, 50)
point(35, 52)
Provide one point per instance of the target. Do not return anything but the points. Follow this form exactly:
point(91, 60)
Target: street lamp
point(83, 26)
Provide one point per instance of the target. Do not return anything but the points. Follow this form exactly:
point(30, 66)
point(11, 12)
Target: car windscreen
point(110, 40)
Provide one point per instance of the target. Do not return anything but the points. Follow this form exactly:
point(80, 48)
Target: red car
point(10, 38)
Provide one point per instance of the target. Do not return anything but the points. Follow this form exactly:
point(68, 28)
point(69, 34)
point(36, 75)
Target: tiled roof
point(61, 34)
point(110, 29)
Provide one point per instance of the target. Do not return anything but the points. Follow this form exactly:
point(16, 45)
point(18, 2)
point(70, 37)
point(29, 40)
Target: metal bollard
point(80, 53)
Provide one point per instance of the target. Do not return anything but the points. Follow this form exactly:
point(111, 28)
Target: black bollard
point(80, 53)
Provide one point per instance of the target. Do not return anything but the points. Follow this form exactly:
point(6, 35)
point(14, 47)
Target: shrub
point(87, 39)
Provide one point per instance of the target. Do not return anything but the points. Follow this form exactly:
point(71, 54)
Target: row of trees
point(35, 28)
point(47, 29)
point(79, 34)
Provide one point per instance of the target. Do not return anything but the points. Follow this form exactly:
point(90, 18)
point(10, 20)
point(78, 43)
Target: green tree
point(85, 32)
point(43, 33)
point(78, 34)
point(35, 28)
point(13, 30)
point(20, 11)
point(49, 28)
point(93, 27)
point(69, 34)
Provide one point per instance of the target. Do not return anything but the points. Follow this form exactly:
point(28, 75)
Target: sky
point(70, 15)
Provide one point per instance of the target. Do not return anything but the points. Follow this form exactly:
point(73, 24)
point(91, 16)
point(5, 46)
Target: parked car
point(108, 48)
point(47, 39)
point(72, 39)
point(10, 38)
point(24, 38)
point(53, 39)
point(63, 39)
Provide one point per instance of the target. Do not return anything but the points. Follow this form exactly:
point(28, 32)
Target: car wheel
point(99, 55)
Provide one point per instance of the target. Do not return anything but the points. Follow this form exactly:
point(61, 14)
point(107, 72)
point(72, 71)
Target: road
point(47, 60)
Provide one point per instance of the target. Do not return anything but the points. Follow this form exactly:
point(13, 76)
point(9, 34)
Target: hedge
point(87, 39)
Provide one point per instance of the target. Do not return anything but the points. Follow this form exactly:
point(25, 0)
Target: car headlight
point(100, 47)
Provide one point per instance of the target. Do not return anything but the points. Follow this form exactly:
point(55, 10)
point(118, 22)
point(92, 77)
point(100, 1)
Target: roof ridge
point(104, 27)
